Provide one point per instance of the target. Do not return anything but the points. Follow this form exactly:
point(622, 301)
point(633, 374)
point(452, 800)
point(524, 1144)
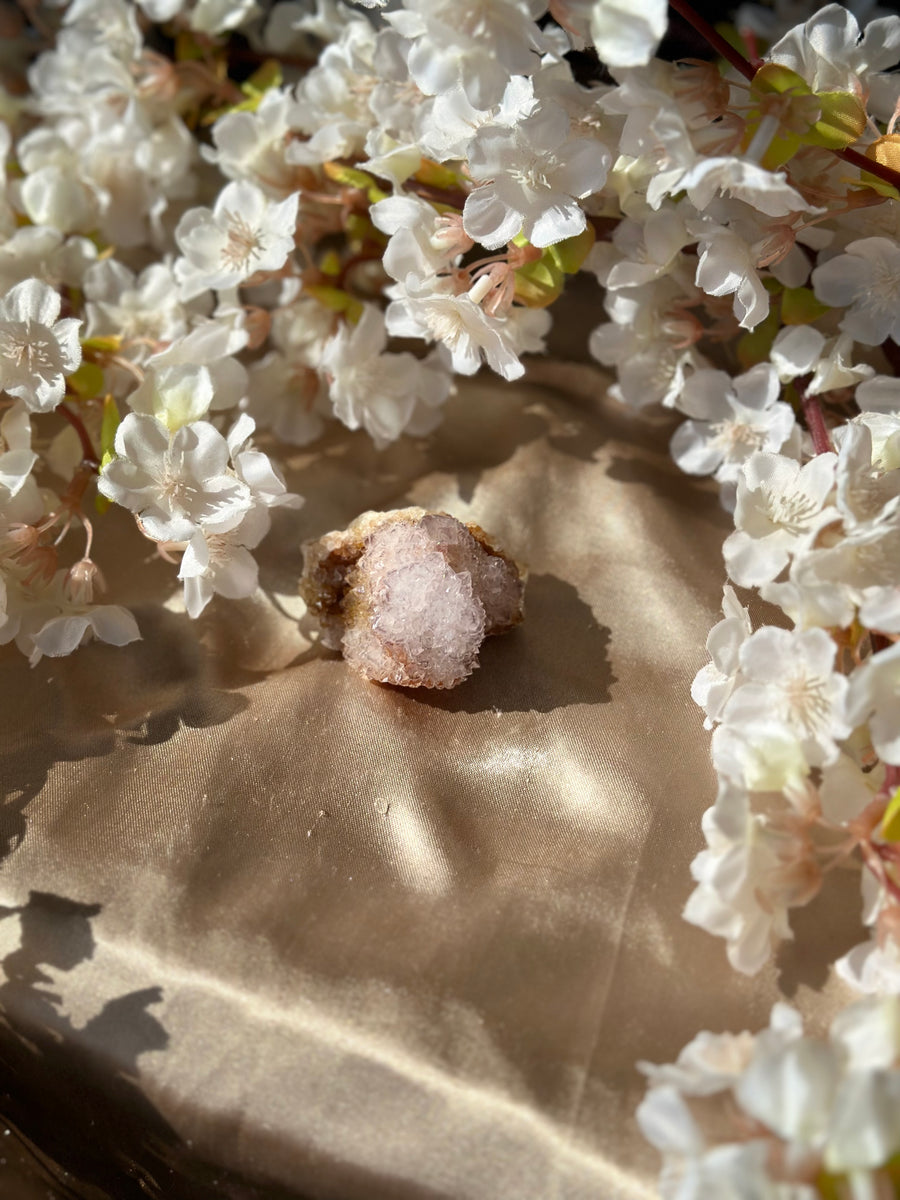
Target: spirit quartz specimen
point(409, 596)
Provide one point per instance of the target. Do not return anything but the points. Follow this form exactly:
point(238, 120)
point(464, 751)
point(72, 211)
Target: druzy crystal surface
point(409, 596)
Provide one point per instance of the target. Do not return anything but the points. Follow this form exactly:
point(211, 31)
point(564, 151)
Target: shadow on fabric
point(73, 1090)
point(82, 706)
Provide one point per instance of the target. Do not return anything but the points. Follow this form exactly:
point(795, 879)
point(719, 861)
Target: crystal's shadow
point(558, 657)
point(82, 706)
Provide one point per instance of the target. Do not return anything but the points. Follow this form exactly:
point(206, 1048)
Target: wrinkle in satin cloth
point(271, 930)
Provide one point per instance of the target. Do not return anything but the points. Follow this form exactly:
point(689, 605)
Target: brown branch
point(714, 38)
point(869, 164)
point(451, 197)
point(87, 449)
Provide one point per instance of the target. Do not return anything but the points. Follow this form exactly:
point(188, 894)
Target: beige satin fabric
point(339, 940)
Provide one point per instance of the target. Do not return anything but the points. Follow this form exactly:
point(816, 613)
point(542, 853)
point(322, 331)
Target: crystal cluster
point(409, 596)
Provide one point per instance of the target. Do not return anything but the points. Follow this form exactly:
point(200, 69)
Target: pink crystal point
point(410, 595)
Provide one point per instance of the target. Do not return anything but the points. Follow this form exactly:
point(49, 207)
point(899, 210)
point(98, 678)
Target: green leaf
point(878, 185)
point(349, 176)
point(360, 229)
point(436, 175)
point(842, 122)
point(539, 283)
point(267, 76)
point(799, 306)
point(890, 822)
point(108, 426)
point(102, 345)
point(87, 381)
point(755, 345)
point(330, 263)
point(337, 300)
point(774, 77)
point(570, 254)
point(781, 149)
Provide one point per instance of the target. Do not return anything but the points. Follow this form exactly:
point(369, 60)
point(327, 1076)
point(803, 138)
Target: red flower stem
point(815, 423)
point(715, 39)
point(748, 70)
point(88, 452)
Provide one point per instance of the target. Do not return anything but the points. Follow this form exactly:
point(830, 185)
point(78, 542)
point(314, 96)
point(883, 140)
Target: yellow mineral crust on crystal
point(409, 596)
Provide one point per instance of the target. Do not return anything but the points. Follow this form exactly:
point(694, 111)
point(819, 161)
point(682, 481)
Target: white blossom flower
point(333, 98)
point(744, 881)
point(206, 16)
point(140, 309)
point(37, 350)
point(211, 344)
point(794, 1115)
point(176, 483)
point(879, 394)
point(287, 393)
point(868, 483)
point(626, 35)
point(534, 173)
point(175, 396)
point(421, 242)
point(370, 387)
point(243, 234)
point(645, 341)
point(714, 683)
point(789, 678)
point(221, 563)
point(872, 967)
point(779, 504)
point(93, 170)
point(460, 324)
point(859, 577)
point(641, 251)
point(256, 470)
point(831, 54)
point(38, 252)
point(874, 696)
point(728, 266)
point(866, 281)
point(252, 146)
point(803, 350)
point(731, 419)
point(16, 455)
point(80, 623)
point(218, 561)
point(445, 124)
point(762, 757)
point(471, 43)
point(767, 191)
